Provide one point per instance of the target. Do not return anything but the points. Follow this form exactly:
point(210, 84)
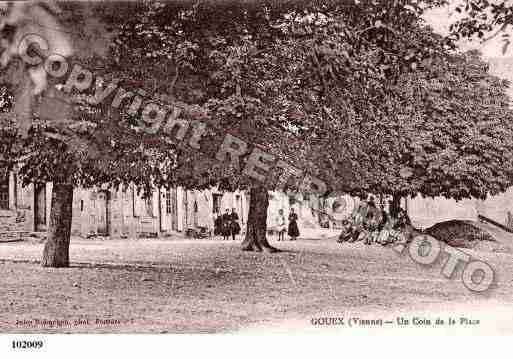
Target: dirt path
point(212, 286)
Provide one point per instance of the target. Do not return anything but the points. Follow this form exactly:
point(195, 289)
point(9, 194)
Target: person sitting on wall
point(373, 222)
point(383, 219)
point(388, 234)
point(347, 232)
point(357, 222)
point(369, 225)
point(234, 224)
point(394, 228)
point(403, 219)
point(360, 213)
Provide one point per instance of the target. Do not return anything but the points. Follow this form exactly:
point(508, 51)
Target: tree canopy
point(445, 130)
point(361, 94)
point(294, 78)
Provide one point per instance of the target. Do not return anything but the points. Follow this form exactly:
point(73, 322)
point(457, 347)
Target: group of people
point(281, 225)
point(367, 223)
point(375, 225)
point(227, 225)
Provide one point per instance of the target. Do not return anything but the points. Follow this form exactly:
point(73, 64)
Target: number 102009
point(27, 344)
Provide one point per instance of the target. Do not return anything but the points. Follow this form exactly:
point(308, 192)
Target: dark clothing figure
point(218, 226)
point(226, 229)
point(402, 219)
point(234, 224)
point(370, 225)
point(384, 219)
point(293, 231)
point(347, 232)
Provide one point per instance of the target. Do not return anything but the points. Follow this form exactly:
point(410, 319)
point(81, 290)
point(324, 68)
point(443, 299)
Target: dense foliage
point(359, 93)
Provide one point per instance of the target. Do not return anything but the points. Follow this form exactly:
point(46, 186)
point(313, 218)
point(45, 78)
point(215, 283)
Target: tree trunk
point(56, 252)
point(256, 229)
point(396, 205)
point(24, 103)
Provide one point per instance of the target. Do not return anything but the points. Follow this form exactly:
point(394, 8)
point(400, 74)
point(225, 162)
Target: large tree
point(70, 139)
point(278, 75)
point(443, 130)
point(300, 80)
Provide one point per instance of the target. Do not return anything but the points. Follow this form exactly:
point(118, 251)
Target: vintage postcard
point(255, 167)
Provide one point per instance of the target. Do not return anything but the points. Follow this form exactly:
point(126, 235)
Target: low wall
point(425, 212)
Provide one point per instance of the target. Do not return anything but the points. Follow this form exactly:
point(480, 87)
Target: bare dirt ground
point(207, 286)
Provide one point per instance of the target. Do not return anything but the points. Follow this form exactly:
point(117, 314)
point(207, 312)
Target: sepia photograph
point(251, 167)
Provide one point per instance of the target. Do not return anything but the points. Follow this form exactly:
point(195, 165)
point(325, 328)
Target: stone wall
point(425, 212)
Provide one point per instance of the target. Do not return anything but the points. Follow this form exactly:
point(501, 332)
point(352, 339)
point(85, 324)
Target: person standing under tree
point(234, 223)
point(293, 228)
point(226, 230)
point(218, 225)
point(281, 227)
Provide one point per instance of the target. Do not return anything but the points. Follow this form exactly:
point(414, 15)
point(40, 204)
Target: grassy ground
point(191, 286)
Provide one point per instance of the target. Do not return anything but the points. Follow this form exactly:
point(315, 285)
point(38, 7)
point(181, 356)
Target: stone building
point(23, 208)
point(125, 214)
point(115, 213)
